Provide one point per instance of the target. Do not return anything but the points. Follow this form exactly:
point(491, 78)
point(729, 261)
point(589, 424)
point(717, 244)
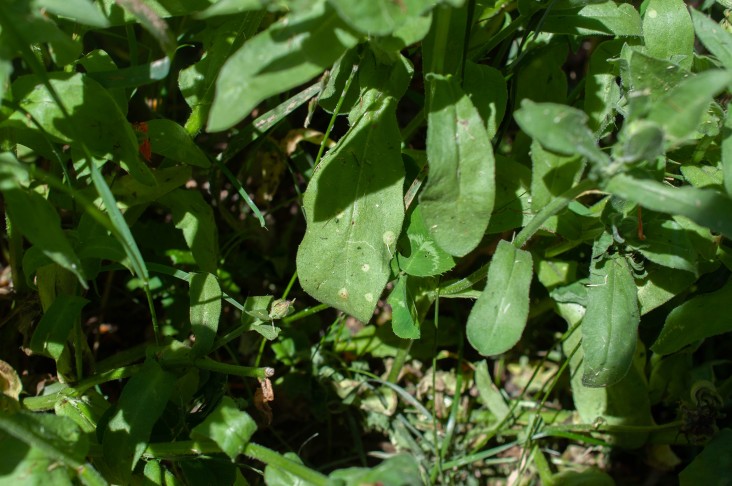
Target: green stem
point(227, 369)
point(326, 136)
point(556, 205)
point(441, 19)
point(179, 450)
point(305, 313)
point(399, 360)
point(47, 402)
point(289, 285)
point(551, 209)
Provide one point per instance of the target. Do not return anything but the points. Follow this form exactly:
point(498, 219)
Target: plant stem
point(305, 313)
point(179, 450)
point(556, 205)
point(218, 367)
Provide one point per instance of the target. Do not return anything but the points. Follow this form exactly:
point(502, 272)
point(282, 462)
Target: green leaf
point(727, 155)
point(54, 327)
point(638, 141)
point(714, 37)
point(413, 30)
point(142, 402)
point(552, 174)
point(487, 90)
point(498, 317)
point(696, 319)
point(512, 208)
point(151, 21)
point(610, 325)
point(442, 52)
point(602, 92)
point(82, 11)
point(229, 7)
point(228, 426)
point(625, 403)
point(96, 120)
point(661, 285)
point(457, 199)
point(606, 18)
point(171, 140)
point(706, 207)
point(681, 110)
point(48, 437)
point(195, 217)
point(668, 32)
point(287, 54)
point(404, 315)
point(354, 204)
point(420, 256)
point(561, 129)
point(541, 77)
point(197, 82)
point(489, 393)
point(666, 242)
point(379, 17)
point(401, 469)
point(39, 222)
point(274, 476)
point(205, 295)
point(711, 465)
point(29, 465)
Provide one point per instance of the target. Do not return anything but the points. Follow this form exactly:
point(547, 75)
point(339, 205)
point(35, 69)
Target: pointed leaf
point(205, 295)
point(422, 257)
point(194, 216)
point(499, 315)
point(714, 37)
point(142, 402)
point(458, 197)
point(54, 327)
point(706, 207)
point(681, 110)
point(39, 222)
point(605, 18)
point(287, 54)
point(354, 204)
point(171, 140)
point(560, 128)
point(610, 325)
point(404, 319)
point(82, 11)
point(228, 426)
point(696, 319)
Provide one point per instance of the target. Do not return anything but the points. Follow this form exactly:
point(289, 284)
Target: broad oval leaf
point(142, 402)
point(610, 325)
point(228, 426)
point(696, 319)
point(379, 17)
point(205, 295)
point(668, 32)
point(605, 18)
point(354, 205)
point(95, 120)
point(287, 54)
point(499, 315)
point(458, 197)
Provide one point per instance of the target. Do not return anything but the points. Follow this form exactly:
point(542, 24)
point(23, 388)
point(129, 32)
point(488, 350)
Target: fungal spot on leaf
point(365, 267)
point(369, 297)
point(343, 293)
